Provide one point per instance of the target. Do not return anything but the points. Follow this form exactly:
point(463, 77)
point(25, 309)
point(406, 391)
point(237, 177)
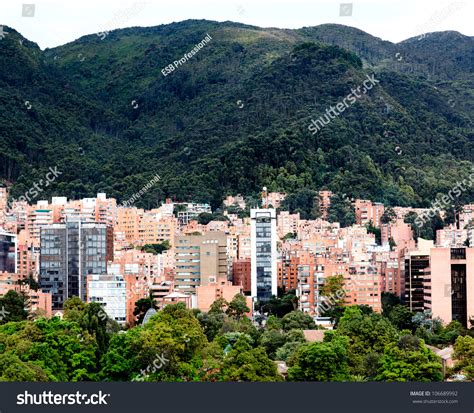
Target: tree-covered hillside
point(235, 116)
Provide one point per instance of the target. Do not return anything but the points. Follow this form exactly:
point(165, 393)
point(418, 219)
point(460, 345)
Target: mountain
point(235, 115)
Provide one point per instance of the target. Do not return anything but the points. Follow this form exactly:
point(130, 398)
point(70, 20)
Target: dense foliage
point(235, 117)
point(178, 344)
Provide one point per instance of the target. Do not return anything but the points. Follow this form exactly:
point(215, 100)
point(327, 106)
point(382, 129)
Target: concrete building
point(141, 227)
point(207, 294)
point(273, 199)
point(449, 284)
point(367, 211)
point(191, 212)
point(200, 260)
point(110, 292)
point(241, 274)
point(28, 256)
point(416, 265)
point(451, 237)
point(288, 270)
point(70, 252)
point(263, 253)
point(287, 223)
point(8, 252)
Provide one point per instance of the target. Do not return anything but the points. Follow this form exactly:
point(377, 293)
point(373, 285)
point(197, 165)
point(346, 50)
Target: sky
point(51, 23)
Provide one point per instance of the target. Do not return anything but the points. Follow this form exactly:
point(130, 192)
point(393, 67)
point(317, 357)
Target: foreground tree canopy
point(179, 344)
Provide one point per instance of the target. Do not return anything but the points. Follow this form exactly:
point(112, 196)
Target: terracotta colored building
point(207, 294)
point(287, 270)
point(366, 211)
point(241, 274)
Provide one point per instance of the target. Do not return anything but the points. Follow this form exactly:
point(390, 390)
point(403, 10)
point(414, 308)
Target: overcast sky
point(55, 22)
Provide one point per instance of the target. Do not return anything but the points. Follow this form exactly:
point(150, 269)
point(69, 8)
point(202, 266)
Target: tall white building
point(110, 292)
point(263, 245)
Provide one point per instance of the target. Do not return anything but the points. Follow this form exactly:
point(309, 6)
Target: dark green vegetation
point(190, 128)
point(156, 248)
point(224, 345)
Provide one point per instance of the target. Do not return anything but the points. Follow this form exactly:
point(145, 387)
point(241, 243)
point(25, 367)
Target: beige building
point(287, 223)
point(200, 260)
point(145, 227)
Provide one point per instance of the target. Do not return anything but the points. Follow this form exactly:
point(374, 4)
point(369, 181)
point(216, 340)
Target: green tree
point(156, 248)
point(389, 300)
point(298, 320)
point(219, 306)
point(142, 306)
point(211, 323)
point(368, 335)
point(409, 360)
point(74, 309)
point(244, 363)
point(388, 216)
point(327, 361)
point(271, 341)
point(402, 318)
point(281, 305)
point(13, 369)
point(304, 201)
point(334, 293)
point(371, 229)
point(12, 307)
point(464, 356)
point(94, 320)
point(341, 210)
point(237, 307)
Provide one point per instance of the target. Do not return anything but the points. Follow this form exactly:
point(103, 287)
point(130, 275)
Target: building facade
point(8, 254)
point(263, 253)
point(449, 284)
point(200, 260)
point(110, 292)
point(69, 252)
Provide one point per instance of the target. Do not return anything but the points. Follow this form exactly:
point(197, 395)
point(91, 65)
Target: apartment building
point(367, 211)
point(200, 260)
point(449, 284)
point(111, 293)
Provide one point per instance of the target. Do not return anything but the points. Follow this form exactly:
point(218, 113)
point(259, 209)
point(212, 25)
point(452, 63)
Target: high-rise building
point(200, 260)
point(69, 252)
point(7, 252)
point(416, 264)
point(449, 284)
point(263, 241)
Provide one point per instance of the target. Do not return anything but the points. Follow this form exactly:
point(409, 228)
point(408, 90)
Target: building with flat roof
point(110, 292)
point(241, 274)
point(200, 260)
point(263, 239)
point(449, 284)
point(69, 252)
point(416, 265)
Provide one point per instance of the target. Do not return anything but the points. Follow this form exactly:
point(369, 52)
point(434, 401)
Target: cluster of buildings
point(115, 255)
